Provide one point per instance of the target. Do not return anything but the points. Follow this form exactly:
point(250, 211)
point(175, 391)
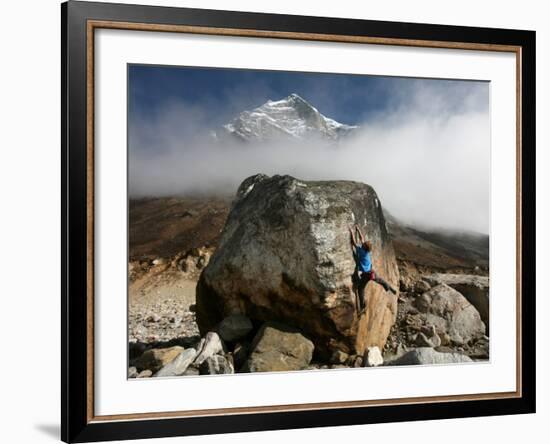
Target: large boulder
point(284, 255)
point(472, 287)
point(277, 347)
point(448, 311)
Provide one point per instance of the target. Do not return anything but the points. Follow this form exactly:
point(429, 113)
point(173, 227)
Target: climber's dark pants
point(362, 281)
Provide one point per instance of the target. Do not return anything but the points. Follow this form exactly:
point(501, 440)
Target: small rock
point(423, 302)
point(156, 358)
point(145, 374)
point(423, 341)
point(234, 327)
point(153, 318)
point(421, 286)
point(132, 372)
point(179, 365)
point(212, 345)
point(192, 370)
point(373, 357)
point(445, 339)
point(216, 365)
point(358, 362)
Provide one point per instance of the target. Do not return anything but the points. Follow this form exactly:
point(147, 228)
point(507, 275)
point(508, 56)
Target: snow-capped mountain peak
point(291, 117)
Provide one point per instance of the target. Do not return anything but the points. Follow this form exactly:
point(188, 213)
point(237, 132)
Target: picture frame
point(80, 21)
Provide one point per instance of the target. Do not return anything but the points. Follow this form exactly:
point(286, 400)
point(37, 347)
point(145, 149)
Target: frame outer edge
point(64, 171)
point(76, 426)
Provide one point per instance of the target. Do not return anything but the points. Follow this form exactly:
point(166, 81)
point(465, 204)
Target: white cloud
point(428, 160)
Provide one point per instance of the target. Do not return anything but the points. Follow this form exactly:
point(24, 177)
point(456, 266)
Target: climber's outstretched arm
point(353, 241)
point(361, 236)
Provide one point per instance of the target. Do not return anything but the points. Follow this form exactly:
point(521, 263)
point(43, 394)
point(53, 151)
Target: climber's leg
point(363, 281)
point(384, 284)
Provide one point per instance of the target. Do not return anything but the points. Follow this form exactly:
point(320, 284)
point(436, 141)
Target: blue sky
point(223, 93)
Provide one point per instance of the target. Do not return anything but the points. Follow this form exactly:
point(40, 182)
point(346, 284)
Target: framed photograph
point(275, 221)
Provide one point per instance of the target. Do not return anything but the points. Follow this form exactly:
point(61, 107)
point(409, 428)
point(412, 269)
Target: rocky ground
point(441, 314)
point(435, 324)
point(449, 325)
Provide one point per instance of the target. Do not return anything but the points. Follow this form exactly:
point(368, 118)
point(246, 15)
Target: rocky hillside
point(164, 227)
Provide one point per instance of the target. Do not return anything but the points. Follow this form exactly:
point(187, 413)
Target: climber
point(363, 266)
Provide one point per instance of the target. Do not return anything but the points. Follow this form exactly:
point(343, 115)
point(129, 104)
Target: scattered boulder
point(451, 312)
point(234, 327)
point(192, 370)
point(212, 345)
point(145, 374)
point(156, 358)
point(421, 286)
point(216, 365)
point(472, 287)
point(178, 366)
point(427, 355)
point(277, 347)
point(132, 372)
point(423, 341)
point(284, 255)
point(428, 337)
point(373, 357)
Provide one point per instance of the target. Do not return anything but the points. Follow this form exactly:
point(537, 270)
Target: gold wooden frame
point(92, 25)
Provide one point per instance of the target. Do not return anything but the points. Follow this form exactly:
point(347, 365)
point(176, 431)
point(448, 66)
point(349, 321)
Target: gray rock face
point(234, 327)
point(472, 287)
point(285, 255)
point(178, 366)
point(277, 347)
point(449, 311)
point(216, 365)
point(427, 355)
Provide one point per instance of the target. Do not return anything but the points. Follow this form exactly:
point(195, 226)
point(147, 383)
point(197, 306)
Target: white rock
point(212, 345)
point(373, 357)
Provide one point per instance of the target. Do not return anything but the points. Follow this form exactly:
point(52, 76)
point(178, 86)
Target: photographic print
point(284, 221)
point(292, 203)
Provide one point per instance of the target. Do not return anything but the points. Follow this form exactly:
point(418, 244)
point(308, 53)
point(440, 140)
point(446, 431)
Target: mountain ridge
point(292, 118)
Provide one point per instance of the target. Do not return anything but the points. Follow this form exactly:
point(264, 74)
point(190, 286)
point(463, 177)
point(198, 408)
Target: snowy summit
point(291, 117)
